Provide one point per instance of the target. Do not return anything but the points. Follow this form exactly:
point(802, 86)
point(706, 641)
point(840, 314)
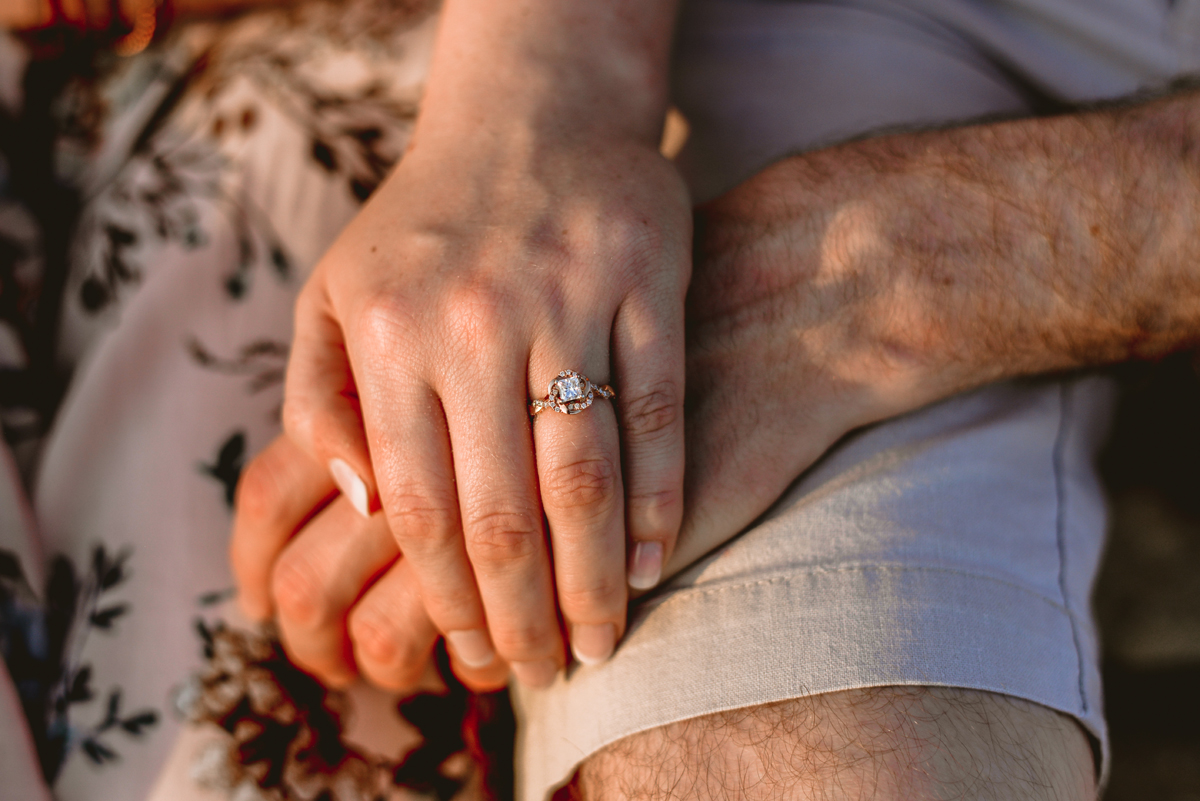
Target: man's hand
point(346, 601)
point(531, 228)
point(846, 286)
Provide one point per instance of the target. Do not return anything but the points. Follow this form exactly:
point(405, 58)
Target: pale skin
point(532, 227)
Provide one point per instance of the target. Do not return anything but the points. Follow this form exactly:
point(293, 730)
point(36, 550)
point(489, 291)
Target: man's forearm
point(1003, 249)
point(579, 68)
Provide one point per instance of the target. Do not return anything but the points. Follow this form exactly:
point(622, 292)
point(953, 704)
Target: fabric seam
point(1060, 526)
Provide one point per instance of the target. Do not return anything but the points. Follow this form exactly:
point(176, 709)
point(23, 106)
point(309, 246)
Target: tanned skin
point(926, 743)
point(845, 286)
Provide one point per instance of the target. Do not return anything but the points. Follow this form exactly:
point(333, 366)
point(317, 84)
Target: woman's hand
point(532, 228)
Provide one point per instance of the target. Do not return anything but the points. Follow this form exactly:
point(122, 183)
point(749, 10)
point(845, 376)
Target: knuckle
point(300, 416)
point(519, 643)
point(656, 514)
point(657, 411)
point(641, 244)
point(259, 493)
point(298, 588)
point(604, 595)
point(310, 423)
point(379, 643)
point(581, 484)
point(382, 326)
point(420, 519)
point(502, 537)
point(634, 232)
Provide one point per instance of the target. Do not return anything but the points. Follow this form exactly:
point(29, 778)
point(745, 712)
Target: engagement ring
point(570, 393)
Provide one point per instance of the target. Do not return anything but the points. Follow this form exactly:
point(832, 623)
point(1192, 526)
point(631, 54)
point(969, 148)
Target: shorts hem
point(700, 650)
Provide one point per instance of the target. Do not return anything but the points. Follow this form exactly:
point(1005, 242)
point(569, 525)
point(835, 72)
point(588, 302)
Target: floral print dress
point(192, 189)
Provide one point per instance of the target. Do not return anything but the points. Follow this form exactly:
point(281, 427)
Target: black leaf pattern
point(93, 294)
point(110, 572)
point(264, 361)
point(98, 752)
point(139, 723)
point(324, 155)
point(362, 189)
point(81, 686)
point(228, 466)
point(113, 713)
point(281, 262)
point(52, 683)
point(216, 597)
point(235, 286)
point(206, 637)
point(103, 619)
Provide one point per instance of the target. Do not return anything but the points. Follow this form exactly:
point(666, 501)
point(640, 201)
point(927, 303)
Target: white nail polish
point(645, 565)
point(472, 647)
point(350, 484)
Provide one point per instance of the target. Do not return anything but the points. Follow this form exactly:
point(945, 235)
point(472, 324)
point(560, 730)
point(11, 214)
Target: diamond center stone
point(570, 388)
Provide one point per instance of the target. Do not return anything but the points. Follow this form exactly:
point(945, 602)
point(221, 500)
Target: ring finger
point(579, 474)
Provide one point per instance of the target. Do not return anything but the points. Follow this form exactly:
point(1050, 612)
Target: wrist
point(556, 68)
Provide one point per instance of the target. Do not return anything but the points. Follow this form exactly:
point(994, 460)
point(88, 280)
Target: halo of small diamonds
point(570, 393)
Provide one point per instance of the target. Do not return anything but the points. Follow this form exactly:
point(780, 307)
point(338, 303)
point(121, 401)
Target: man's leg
point(877, 743)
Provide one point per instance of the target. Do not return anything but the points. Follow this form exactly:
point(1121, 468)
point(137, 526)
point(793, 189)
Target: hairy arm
point(852, 284)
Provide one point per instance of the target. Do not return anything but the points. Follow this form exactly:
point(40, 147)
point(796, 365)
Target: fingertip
point(255, 608)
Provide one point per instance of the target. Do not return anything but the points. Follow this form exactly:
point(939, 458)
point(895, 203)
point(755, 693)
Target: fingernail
point(535, 674)
point(472, 647)
point(350, 484)
point(645, 565)
point(592, 643)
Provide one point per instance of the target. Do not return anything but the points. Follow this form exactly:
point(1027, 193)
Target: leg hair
point(879, 743)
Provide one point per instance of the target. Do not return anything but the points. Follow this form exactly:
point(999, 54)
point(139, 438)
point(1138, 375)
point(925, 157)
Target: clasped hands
point(436, 316)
